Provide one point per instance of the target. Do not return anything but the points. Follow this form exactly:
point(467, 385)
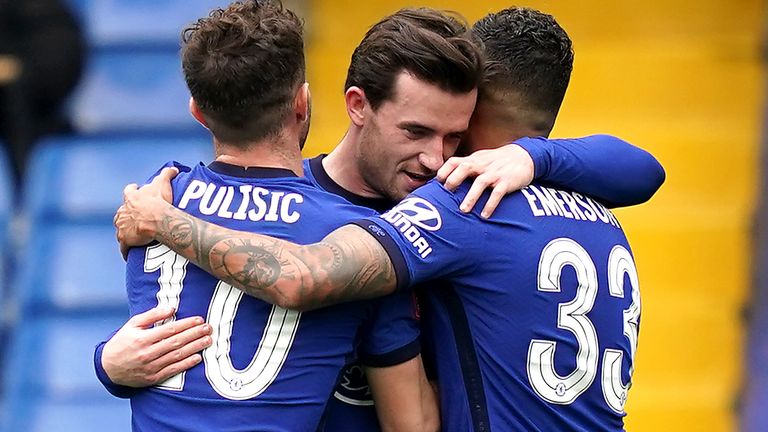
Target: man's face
point(406, 140)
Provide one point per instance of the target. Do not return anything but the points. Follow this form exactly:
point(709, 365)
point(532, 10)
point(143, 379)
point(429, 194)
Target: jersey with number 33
point(538, 330)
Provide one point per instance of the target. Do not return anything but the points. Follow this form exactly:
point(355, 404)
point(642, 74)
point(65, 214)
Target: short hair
point(243, 65)
point(526, 53)
point(434, 46)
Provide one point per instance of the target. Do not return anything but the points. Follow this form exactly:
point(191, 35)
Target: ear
point(356, 104)
point(301, 103)
point(196, 113)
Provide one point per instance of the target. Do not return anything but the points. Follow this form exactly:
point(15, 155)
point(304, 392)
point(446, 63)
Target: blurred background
point(92, 98)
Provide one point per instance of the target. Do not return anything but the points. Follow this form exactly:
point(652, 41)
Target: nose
point(431, 156)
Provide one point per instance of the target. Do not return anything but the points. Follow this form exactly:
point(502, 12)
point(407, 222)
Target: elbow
point(291, 301)
point(298, 299)
point(656, 177)
point(661, 176)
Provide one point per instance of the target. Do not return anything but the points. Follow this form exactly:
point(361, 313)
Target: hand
point(140, 355)
point(506, 169)
point(136, 219)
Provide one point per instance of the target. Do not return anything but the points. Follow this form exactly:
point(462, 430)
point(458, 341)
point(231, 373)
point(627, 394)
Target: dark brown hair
point(435, 47)
point(243, 65)
point(527, 53)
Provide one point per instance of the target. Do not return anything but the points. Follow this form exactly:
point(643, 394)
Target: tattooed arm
point(348, 264)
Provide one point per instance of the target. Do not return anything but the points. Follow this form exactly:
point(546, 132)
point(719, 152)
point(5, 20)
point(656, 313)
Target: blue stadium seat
point(52, 357)
point(71, 269)
point(113, 415)
point(82, 178)
point(133, 22)
point(50, 383)
point(133, 90)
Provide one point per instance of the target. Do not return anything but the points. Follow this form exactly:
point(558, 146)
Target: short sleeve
point(392, 336)
point(426, 235)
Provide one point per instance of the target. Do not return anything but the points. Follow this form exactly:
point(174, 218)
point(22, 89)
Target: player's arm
point(140, 355)
point(602, 166)
point(405, 400)
point(348, 264)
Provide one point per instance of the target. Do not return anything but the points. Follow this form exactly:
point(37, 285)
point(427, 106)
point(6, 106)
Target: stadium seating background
point(681, 79)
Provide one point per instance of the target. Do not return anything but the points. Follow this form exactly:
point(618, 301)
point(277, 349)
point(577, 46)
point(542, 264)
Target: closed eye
point(415, 132)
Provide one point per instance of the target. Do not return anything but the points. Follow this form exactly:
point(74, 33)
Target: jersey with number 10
point(539, 327)
point(269, 369)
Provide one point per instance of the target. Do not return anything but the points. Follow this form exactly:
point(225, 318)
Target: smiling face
point(406, 140)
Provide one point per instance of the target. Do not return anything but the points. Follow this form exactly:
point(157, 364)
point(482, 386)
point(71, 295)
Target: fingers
point(150, 317)
point(499, 191)
point(168, 174)
point(165, 176)
point(457, 177)
point(448, 168)
point(175, 368)
point(173, 328)
point(179, 347)
point(478, 187)
point(128, 189)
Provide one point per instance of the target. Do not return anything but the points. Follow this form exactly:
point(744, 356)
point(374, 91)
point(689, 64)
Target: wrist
point(150, 226)
point(540, 158)
point(106, 364)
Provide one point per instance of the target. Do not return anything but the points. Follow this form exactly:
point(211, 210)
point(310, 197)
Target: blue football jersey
point(351, 409)
point(538, 329)
point(269, 369)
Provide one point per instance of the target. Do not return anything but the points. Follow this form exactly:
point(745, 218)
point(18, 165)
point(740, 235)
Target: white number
point(173, 268)
point(620, 262)
point(270, 355)
point(572, 317)
point(227, 381)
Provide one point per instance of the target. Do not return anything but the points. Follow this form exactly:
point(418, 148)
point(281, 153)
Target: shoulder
point(332, 206)
point(435, 193)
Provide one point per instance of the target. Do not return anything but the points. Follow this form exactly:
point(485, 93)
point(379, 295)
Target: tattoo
point(260, 267)
point(347, 265)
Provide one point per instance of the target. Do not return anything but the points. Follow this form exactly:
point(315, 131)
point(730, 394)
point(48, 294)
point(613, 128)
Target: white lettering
point(532, 202)
point(588, 212)
point(224, 209)
point(547, 202)
point(286, 214)
point(410, 232)
point(256, 203)
point(601, 214)
point(208, 206)
point(261, 205)
point(241, 214)
point(195, 190)
point(560, 204)
point(273, 206)
point(571, 203)
point(422, 246)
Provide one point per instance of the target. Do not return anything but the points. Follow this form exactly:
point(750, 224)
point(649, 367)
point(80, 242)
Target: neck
point(341, 165)
point(279, 152)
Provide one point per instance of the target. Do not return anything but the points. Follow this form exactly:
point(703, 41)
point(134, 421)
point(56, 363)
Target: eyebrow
point(426, 129)
point(417, 126)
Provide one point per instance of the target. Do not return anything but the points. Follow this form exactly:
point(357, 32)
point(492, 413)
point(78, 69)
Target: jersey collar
point(326, 182)
point(249, 172)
